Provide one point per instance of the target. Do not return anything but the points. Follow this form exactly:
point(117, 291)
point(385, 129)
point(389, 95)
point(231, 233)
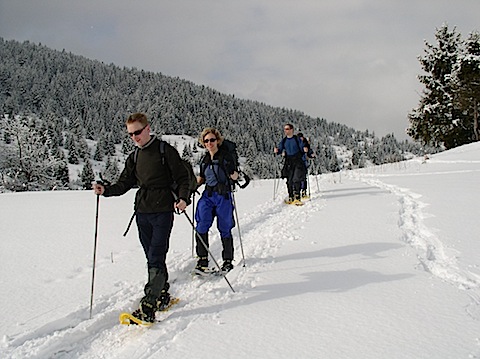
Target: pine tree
point(434, 120)
point(73, 156)
point(62, 175)
point(109, 144)
point(98, 155)
point(28, 163)
point(468, 87)
point(112, 172)
point(87, 176)
point(187, 153)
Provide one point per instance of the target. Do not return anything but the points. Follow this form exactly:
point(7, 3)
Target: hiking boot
point(146, 311)
point(163, 301)
point(227, 266)
point(297, 200)
point(202, 265)
point(202, 262)
point(289, 200)
point(304, 193)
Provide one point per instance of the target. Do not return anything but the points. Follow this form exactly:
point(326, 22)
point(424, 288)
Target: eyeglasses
point(287, 128)
point(207, 140)
point(137, 132)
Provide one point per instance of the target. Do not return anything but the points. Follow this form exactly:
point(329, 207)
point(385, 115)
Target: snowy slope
point(380, 263)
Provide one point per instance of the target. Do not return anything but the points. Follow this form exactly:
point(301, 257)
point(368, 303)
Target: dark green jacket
point(153, 177)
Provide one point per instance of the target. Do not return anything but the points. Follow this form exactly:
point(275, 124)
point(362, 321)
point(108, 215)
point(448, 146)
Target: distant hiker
point(217, 169)
point(294, 170)
point(309, 154)
point(154, 206)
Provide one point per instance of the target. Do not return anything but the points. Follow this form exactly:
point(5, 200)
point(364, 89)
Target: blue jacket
point(217, 171)
point(292, 146)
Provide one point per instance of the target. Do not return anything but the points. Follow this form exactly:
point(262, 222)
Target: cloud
point(352, 62)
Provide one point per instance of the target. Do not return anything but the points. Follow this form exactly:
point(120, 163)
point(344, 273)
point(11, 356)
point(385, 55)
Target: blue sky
point(353, 62)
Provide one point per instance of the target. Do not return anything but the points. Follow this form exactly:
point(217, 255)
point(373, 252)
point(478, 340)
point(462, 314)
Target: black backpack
point(231, 148)
point(192, 179)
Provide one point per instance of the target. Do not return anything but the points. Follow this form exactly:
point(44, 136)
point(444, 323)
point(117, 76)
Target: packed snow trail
point(78, 336)
point(430, 249)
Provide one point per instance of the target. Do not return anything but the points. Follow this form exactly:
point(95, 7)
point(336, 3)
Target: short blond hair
point(137, 117)
point(213, 131)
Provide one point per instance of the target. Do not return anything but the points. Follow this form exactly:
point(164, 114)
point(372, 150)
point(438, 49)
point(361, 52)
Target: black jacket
point(153, 176)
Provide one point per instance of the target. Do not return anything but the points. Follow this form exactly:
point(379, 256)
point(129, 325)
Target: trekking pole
point(193, 228)
point(94, 254)
point(274, 177)
point(308, 184)
point(129, 223)
point(208, 250)
point(238, 226)
point(274, 185)
point(276, 181)
point(316, 175)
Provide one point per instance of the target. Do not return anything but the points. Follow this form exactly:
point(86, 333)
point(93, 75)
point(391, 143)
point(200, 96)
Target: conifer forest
point(61, 112)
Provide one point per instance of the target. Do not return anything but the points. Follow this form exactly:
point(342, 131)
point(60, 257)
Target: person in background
point(291, 148)
point(154, 206)
point(217, 169)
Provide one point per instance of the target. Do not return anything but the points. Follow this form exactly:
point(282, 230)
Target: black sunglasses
point(137, 132)
point(207, 140)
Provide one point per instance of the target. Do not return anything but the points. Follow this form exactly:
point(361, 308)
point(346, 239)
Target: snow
point(382, 262)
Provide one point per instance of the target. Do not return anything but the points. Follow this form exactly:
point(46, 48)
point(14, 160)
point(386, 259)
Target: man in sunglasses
point(294, 170)
point(155, 204)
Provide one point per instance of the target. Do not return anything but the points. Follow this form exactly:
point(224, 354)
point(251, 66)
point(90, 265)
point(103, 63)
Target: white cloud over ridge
point(352, 62)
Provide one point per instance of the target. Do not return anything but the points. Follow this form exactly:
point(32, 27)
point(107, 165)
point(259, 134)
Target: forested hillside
point(58, 109)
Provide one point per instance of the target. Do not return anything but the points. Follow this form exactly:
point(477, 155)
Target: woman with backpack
point(217, 169)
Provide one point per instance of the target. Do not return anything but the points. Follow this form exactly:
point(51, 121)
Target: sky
point(373, 266)
point(353, 62)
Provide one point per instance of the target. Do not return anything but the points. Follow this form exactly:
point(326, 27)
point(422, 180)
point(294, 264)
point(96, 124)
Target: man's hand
point(180, 205)
point(234, 175)
point(98, 188)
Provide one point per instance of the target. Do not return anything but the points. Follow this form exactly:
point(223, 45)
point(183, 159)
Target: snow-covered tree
point(438, 120)
point(27, 163)
point(187, 153)
point(87, 176)
point(73, 153)
point(468, 87)
point(112, 172)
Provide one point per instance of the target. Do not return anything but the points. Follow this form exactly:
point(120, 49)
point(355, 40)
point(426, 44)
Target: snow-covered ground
point(380, 263)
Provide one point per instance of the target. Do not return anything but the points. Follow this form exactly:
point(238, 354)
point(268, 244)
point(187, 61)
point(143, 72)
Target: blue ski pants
point(212, 205)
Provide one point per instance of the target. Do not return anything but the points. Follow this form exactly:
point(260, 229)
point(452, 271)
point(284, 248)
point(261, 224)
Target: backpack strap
point(135, 155)
point(162, 151)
